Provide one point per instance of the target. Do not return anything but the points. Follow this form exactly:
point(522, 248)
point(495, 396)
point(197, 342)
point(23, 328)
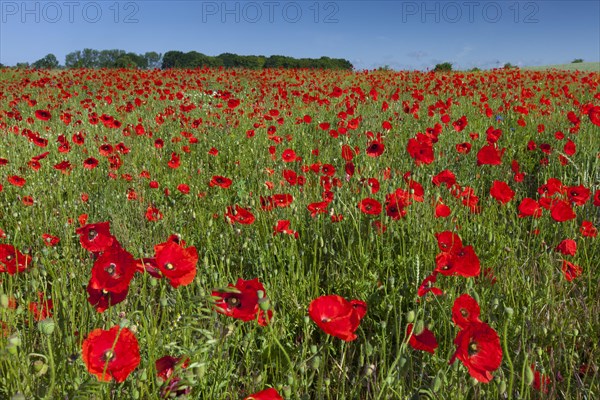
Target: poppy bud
point(14, 340)
point(3, 300)
point(529, 377)
point(410, 316)
point(46, 326)
point(264, 303)
point(502, 387)
point(313, 349)
point(539, 352)
point(40, 367)
point(419, 327)
point(316, 361)
point(437, 384)
point(287, 392)
point(509, 311)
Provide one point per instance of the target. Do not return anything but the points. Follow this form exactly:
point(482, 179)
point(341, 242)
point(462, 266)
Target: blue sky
point(401, 34)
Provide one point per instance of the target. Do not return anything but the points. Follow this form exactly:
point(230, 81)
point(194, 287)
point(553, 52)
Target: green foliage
point(443, 67)
point(48, 62)
point(577, 61)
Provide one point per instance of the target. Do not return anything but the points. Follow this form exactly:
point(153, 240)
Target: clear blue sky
point(402, 34)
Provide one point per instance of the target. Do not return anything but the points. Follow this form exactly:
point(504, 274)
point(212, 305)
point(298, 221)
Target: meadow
point(299, 234)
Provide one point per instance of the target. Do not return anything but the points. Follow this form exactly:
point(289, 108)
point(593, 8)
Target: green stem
point(52, 369)
point(511, 367)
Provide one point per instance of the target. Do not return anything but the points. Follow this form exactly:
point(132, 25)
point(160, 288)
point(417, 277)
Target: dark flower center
point(464, 312)
point(92, 234)
point(325, 319)
point(473, 348)
point(169, 266)
point(111, 268)
point(108, 355)
point(233, 302)
point(9, 257)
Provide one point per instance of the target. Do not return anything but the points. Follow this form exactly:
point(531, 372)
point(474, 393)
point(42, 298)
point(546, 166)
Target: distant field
point(584, 66)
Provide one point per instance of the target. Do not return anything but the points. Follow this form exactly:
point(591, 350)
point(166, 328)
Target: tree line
point(91, 58)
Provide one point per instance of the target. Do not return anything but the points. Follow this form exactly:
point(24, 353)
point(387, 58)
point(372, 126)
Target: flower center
point(464, 312)
point(233, 302)
point(169, 266)
point(325, 319)
point(473, 348)
point(111, 268)
point(9, 257)
point(108, 355)
point(92, 234)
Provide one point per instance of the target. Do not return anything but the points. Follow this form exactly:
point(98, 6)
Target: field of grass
point(397, 192)
point(583, 66)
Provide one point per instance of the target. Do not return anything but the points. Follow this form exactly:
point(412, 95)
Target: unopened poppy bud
point(163, 301)
point(502, 387)
point(316, 362)
point(264, 303)
point(3, 300)
point(313, 349)
point(47, 326)
point(369, 369)
point(538, 350)
point(124, 323)
point(40, 367)
point(575, 332)
point(287, 392)
point(410, 316)
point(529, 377)
point(14, 340)
point(327, 381)
point(419, 327)
point(509, 311)
point(437, 384)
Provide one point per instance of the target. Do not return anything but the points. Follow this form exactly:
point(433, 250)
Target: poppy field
point(299, 234)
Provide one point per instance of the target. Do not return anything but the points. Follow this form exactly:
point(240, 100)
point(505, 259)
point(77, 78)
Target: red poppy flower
point(43, 115)
point(165, 366)
point(501, 192)
point(95, 237)
point(460, 124)
point(50, 240)
point(288, 155)
point(446, 177)
point(490, 155)
point(12, 260)
point(588, 229)
point(421, 150)
point(370, 206)
point(90, 163)
point(174, 162)
point(570, 270)
point(177, 263)
point(463, 262)
point(101, 299)
point(283, 226)
point(465, 311)
point(242, 301)
point(594, 115)
point(427, 286)
point(337, 316)
point(239, 215)
point(375, 149)
point(463, 148)
point(448, 242)
point(220, 181)
point(568, 247)
point(529, 208)
point(578, 195)
point(114, 353)
point(282, 200)
point(478, 348)
point(267, 394)
point(424, 341)
point(16, 180)
point(441, 209)
point(41, 309)
point(561, 211)
point(540, 381)
point(317, 208)
point(114, 269)
point(153, 214)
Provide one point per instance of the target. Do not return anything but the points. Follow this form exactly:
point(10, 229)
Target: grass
point(583, 66)
point(541, 318)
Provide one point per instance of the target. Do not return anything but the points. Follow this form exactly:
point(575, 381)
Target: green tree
point(443, 67)
point(47, 62)
point(153, 59)
point(577, 61)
